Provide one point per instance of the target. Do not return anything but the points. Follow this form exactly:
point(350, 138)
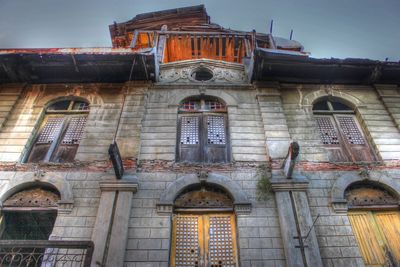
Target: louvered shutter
point(189, 138)
point(71, 138)
point(48, 134)
point(352, 135)
point(215, 141)
point(331, 139)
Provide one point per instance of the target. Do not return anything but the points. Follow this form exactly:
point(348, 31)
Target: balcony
point(45, 253)
point(174, 46)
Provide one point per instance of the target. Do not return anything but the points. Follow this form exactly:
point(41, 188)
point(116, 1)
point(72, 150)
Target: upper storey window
point(60, 133)
point(340, 132)
point(202, 131)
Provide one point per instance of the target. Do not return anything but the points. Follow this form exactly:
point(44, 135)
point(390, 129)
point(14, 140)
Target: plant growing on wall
point(264, 188)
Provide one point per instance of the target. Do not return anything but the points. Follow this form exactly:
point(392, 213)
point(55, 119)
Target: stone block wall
point(376, 120)
point(262, 121)
point(259, 239)
point(158, 140)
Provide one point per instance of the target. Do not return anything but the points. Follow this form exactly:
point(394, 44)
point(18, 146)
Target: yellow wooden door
point(378, 236)
point(204, 240)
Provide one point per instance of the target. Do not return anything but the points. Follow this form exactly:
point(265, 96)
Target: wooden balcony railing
point(180, 45)
point(45, 253)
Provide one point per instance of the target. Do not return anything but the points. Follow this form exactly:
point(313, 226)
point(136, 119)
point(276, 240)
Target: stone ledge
point(295, 184)
point(127, 183)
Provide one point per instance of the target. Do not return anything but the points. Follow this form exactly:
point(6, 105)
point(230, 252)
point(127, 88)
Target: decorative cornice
point(222, 72)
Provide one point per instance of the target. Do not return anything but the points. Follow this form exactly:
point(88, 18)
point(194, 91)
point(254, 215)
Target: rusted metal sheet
point(79, 50)
point(80, 65)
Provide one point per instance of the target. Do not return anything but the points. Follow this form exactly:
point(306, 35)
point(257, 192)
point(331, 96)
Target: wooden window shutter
point(189, 139)
point(352, 134)
point(48, 135)
point(215, 145)
point(71, 138)
point(331, 139)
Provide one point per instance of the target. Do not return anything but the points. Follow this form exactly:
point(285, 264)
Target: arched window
point(340, 133)
point(204, 230)
point(203, 131)
point(60, 133)
point(29, 214)
point(375, 219)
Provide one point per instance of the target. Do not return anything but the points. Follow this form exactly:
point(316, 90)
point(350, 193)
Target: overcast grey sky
point(326, 28)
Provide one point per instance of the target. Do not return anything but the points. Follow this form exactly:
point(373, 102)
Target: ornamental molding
point(36, 197)
point(222, 72)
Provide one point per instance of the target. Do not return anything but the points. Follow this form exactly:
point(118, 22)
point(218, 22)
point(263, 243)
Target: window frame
point(203, 147)
point(67, 115)
point(346, 148)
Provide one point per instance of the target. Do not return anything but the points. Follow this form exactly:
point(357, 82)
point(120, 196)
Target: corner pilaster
point(111, 227)
point(299, 238)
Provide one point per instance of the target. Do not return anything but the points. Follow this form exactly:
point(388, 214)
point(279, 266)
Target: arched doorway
point(29, 214)
point(204, 229)
point(375, 219)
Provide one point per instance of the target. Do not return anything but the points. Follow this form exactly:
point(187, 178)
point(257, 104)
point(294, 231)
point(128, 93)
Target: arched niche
point(370, 195)
point(30, 214)
point(343, 183)
point(30, 180)
point(310, 98)
point(241, 204)
point(206, 197)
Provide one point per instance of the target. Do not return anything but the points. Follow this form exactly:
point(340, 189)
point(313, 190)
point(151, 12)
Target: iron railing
point(45, 253)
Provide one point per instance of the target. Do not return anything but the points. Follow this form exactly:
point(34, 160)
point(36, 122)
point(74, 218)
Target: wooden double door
point(204, 240)
point(378, 236)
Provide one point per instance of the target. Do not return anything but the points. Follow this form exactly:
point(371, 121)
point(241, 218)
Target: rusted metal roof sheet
point(80, 50)
point(55, 65)
point(294, 67)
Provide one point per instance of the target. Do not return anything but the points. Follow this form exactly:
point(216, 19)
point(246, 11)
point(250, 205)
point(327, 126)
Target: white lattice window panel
point(190, 105)
point(214, 105)
point(74, 133)
point(220, 247)
point(327, 131)
point(50, 130)
point(216, 130)
point(189, 130)
point(81, 106)
point(187, 243)
point(351, 131)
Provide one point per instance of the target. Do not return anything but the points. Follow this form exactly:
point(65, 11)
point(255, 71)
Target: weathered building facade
point(207, 121)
